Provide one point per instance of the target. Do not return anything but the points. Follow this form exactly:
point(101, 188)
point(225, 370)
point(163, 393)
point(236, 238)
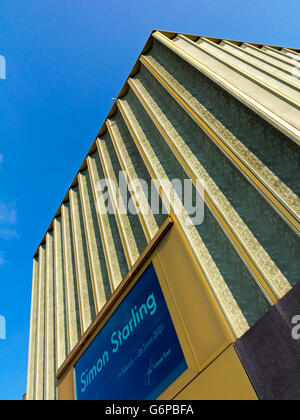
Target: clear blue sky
point(66, 59)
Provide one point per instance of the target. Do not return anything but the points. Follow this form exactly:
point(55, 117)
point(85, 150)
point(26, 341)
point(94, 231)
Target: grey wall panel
point(270, 354)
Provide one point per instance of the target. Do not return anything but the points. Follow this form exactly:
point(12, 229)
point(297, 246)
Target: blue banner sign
point(136, 355)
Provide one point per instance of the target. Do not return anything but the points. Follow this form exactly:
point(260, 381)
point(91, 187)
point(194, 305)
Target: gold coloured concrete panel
point(224, 379)
point(66, 391)
point(199, 323)
point(199, 313)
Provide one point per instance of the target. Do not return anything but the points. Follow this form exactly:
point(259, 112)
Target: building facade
point(197, 166)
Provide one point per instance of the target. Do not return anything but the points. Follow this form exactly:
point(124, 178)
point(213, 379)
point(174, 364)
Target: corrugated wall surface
point(195, 108)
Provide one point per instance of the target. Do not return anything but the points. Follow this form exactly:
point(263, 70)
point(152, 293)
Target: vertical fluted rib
point(113, 266)
point(278, 54)
point(224, 296)
point(259, 61)
point(146, 218)
point(128, 240)
point(279, 110)
point(40, 354)
point(30, 393)
point(60, 295)
point(50, 350)
point(247, 148)
point(73, 310)
point(95, 250)
point(85, 285)
point(274, 285)
point(258, 52)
